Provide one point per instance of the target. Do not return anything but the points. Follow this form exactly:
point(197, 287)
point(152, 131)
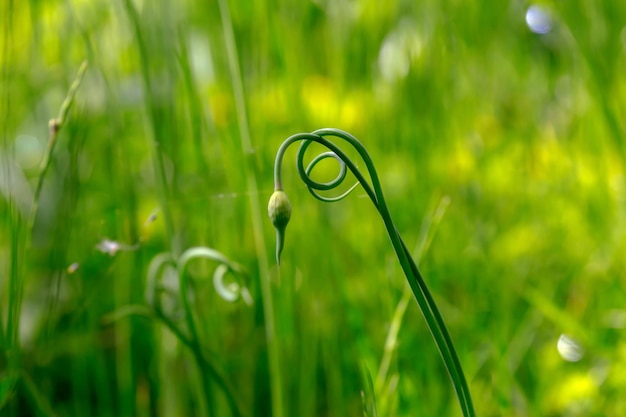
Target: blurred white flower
point(569, 349)
point(111, 247)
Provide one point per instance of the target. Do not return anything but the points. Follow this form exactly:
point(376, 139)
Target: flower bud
point(279, 210)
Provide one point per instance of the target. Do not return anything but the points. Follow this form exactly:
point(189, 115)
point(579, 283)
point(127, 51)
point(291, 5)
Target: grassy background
point(180, 113)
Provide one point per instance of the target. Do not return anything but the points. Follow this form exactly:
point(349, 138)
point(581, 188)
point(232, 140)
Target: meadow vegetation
point(138, 274)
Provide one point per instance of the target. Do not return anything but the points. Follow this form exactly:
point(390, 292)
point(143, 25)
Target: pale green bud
point(279, 210)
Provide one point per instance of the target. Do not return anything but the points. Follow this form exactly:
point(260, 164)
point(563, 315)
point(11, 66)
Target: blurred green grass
point(523, 132)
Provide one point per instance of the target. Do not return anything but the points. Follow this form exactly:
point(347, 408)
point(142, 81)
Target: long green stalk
point(273, 347)
point(155, 145)
point(16, 284)
point(21, 244)
point(6, 114)
point(54, 126)
point(429, 225)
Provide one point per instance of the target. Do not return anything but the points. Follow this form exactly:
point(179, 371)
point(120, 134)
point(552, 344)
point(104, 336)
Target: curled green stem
point(373, 189)
point(191, 337)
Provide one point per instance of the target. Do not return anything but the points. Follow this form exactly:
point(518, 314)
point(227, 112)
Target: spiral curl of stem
point(229, 292)
point(373, 189)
